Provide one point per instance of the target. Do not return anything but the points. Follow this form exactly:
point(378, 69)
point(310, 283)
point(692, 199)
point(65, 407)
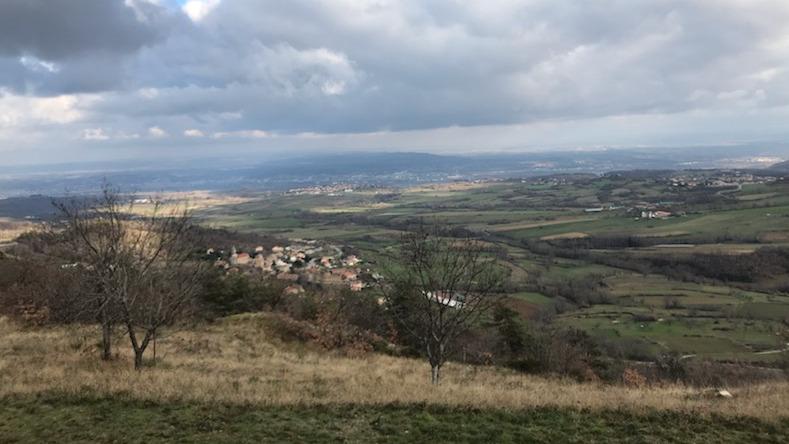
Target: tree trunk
point(435, 373)
point(138, 353)
point(106, 337)
point(139, 348)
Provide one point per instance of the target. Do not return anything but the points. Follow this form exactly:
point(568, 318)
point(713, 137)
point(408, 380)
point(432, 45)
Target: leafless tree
point(438, 287)
point(139, 265)
point(164, 277)
point(95, 231)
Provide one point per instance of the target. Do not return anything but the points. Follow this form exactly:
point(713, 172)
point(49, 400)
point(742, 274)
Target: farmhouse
point(445, 298)
point(655, 214)
point(239, 258)
point(345, 274)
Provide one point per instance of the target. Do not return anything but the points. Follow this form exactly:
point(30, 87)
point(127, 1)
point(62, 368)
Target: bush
point(227, 294)
point(671, 367)
point(633, 378)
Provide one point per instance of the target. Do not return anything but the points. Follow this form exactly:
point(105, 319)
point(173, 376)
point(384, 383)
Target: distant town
point(302, 263)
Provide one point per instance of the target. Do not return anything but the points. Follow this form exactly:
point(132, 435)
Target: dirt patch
point(526, 310)
point(570, 235)
point(775, 236)
point(534, 224)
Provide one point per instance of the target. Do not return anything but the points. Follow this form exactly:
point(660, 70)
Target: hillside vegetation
point(232, 381)
point(235, 361)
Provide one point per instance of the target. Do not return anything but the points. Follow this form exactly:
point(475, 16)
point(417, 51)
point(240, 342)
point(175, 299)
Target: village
point(718, 179)
point(317, 190)
point(303, 263)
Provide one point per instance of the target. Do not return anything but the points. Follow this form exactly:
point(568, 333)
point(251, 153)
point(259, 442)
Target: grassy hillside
point(239, 361)
point(234, 382)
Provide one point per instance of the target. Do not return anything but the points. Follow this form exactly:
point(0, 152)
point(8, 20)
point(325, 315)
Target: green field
point(88, 420)
point(718, 319)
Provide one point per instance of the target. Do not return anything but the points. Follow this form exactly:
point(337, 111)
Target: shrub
point(671, 366)
point(633, 378)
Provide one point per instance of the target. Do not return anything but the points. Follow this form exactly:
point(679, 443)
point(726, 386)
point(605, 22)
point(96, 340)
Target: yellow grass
point(530, 224)
point(235, 362)
point(351, 209)
point(187, 200)
point(10, 229)
point(775, 236)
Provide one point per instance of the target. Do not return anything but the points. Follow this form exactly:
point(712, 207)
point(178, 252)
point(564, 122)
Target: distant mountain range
point(385, 169)
point(782, 166)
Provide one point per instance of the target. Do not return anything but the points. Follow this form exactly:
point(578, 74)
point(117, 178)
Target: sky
point(179, 79)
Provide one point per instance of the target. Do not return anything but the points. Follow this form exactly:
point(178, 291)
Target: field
point(75, 420)
point(232, 380)
point(713, 318)
point(10, 229)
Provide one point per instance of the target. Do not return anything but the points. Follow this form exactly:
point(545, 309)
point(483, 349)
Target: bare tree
point(437, 288)
point(95, 230)
point(140, 268)
point(164, 277)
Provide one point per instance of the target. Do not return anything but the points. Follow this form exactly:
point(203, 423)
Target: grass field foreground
point(91, 420)
point(237, 362)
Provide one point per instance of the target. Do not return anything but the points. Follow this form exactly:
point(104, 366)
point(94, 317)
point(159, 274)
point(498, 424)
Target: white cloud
point(198, 9)
point(23, 111)
point(333, 87)
point(149, 93)
point(38, 65)
point(194, 133)
point(157, 132)
point(245, 134)
point(94, 134)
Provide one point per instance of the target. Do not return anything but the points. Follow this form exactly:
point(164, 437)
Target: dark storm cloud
point(50, 47)
point(370, 65)
point(58, 29)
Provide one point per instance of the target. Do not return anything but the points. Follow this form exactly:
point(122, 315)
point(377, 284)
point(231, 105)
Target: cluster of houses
point(719, 179)
point(301, 263)
point(330, 190)
point(650, 214)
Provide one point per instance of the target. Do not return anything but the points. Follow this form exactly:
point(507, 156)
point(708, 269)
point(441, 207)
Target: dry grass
point(187, 200)
point(515, 226)
point(234, 362)
point(10, 229)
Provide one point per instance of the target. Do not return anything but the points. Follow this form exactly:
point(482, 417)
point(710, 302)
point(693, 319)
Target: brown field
point(10, 229)
point(527, 225)
point(775, 236)
point(234, 361)
point(188, 200)
point(450, 186)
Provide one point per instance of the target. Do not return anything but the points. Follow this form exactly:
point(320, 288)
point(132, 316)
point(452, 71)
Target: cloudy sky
point(113, 79)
